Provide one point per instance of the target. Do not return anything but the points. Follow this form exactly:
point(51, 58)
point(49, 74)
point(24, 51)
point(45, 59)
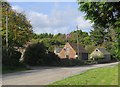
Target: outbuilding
point(101, 55)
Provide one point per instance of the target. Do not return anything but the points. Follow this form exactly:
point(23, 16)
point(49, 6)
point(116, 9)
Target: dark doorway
point(67, 56)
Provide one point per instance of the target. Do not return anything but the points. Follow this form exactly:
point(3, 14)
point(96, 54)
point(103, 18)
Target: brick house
point(70, 51)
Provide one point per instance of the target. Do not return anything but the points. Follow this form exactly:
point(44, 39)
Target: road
point(46, 75)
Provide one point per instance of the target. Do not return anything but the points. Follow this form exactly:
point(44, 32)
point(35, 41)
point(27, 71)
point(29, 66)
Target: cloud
point(17, 8)
point(83, 24)
point(57, 21)
point(43, 23)
point(38, 19)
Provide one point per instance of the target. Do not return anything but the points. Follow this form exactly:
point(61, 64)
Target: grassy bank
point(99, 76)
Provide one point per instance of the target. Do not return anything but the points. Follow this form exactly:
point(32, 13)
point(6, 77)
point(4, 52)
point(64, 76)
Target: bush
point(71, 62)
point(10, 57)
point(35, 54)
point(52, 59)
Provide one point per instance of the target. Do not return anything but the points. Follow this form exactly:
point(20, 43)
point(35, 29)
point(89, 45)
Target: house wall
point(96, 53)
point(69, 52)
point(106, 57)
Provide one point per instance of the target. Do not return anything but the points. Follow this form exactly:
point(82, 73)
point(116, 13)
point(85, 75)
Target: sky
point(53, 17)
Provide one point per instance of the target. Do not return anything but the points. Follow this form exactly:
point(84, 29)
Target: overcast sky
point(53, 17)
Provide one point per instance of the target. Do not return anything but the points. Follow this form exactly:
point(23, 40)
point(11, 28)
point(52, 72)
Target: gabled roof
point(103, 50)
point(81, 48)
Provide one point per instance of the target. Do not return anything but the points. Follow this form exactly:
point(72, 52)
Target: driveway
point(46, 75)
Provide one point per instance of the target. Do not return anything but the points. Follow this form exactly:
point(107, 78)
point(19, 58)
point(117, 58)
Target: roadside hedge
point(10, 57)
point(37, 54)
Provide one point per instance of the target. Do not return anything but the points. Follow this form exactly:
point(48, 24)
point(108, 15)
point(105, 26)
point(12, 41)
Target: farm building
point(101, 55)
point(72, 50)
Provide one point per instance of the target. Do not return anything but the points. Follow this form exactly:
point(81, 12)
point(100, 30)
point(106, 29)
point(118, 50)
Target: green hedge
point(37, 54)
point(10, 57)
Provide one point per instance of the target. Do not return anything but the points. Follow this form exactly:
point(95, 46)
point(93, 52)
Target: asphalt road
point(46, 75)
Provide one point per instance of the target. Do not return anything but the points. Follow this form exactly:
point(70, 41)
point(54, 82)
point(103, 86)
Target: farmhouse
point(73, 51)
point(101, 55)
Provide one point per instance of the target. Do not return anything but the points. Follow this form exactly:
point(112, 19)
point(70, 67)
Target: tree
point(83, 37)
point(103, 14)
point(50, 40)
point(19, 28)
point(90, 48)
point(99, 35)
point(19, 32)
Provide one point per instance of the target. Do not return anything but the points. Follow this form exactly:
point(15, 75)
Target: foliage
point(43, 35)
point(19, 28)
point(35, 54)
point(83, 37)
point(101, 13)
point(10, 57)
point(59, 39)
point(71, 62)
point(90, 48)
point(52, 59)
point(106, 15)
point(99, 35)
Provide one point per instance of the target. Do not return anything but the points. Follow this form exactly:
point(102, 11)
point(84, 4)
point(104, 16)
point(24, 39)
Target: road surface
point(46, 75)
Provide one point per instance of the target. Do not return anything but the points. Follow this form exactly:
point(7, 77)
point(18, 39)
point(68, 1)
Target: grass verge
point(99, 76)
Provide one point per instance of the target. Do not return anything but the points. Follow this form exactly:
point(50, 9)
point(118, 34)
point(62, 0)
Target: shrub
point(10, 57)
point(52, 59)
point(71, 62)
point(35, 54)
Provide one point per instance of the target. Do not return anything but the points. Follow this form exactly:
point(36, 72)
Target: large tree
point(101, 13)
point(104, 14)
point(83, 37)
point(99, 36)
point(19, 28)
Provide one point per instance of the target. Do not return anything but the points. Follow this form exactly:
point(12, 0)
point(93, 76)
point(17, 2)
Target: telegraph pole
point(6, 28)
point(78, 50)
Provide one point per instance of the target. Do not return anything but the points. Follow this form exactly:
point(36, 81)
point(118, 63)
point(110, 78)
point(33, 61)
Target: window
point(67, 49)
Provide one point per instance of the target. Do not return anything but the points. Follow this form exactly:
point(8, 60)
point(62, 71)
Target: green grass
point(99, 76)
